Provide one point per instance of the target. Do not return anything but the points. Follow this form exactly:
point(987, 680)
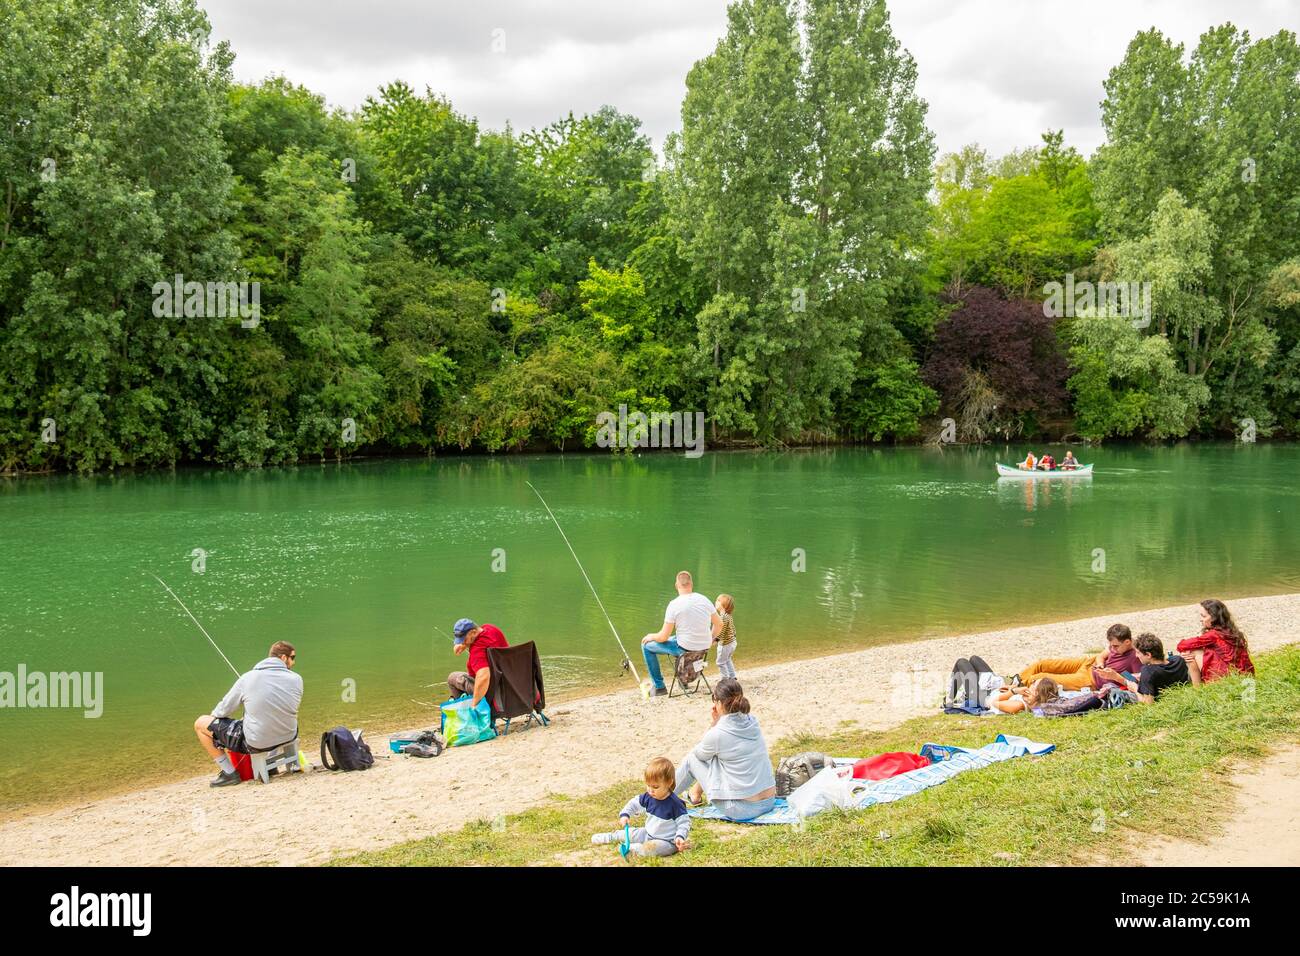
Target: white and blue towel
point(956, 760)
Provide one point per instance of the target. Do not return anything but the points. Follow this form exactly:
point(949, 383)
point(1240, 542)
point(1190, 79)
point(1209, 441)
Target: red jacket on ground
point(1222, 654)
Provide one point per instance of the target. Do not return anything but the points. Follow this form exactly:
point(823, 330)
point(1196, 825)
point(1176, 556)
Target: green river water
point(356, 564)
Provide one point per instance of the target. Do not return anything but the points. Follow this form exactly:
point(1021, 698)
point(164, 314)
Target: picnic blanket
point(950, 762)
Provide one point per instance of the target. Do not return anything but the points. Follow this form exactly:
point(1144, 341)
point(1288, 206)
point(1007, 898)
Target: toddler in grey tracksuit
point(666, 821)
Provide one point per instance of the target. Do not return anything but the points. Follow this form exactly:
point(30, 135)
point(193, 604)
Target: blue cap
point(461, 628)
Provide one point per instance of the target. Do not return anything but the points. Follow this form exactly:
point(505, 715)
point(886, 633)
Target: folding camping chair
point(516, 688)
point(691, 686)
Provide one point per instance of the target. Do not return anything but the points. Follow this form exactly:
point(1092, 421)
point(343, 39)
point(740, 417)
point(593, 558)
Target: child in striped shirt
point(726, 641)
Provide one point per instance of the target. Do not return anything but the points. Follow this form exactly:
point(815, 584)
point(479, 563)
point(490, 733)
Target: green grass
point(1138, 770)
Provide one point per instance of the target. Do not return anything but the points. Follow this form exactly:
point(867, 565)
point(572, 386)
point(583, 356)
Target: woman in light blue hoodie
point(731, 763)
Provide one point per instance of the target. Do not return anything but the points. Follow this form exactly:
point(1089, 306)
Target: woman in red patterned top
point(1220, 649)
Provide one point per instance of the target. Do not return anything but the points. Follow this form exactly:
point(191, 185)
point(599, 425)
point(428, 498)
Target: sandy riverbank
point(592, 743)
point(1264, 830)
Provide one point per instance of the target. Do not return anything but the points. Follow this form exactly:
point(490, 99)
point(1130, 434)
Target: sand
point(592, 743)
point(1263, 831)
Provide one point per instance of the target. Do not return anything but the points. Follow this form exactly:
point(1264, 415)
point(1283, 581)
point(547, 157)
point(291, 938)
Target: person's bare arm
point(1008, 701)
point(481, 681)
point(717, 625)
point(1129, 685)
point(662, 635)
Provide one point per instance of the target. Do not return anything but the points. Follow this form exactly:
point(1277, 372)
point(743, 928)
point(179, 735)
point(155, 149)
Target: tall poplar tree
point(798, 188)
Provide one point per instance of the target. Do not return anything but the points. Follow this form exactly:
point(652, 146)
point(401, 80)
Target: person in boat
point(1046, 463)
point(1069, 462)
point(1029, 464)
point(1221, 648)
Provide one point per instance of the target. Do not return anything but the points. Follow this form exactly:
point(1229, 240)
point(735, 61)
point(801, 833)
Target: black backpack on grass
point(346, 751)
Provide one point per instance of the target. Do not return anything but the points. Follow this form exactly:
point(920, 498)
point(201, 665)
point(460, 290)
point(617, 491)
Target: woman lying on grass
point(1015, 700)
point(730, 765)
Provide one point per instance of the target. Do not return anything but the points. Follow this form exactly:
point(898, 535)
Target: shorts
point(228, 734)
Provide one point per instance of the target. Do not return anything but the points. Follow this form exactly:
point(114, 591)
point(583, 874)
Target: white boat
point(1010, 471)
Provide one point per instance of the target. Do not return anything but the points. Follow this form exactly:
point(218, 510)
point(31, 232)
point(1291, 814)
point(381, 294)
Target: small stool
point(281, 758)
point(694, 686)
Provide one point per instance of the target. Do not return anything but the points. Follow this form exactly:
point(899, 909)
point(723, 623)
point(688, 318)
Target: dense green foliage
point(798, 191)
point(1199, 185)
point(791, 267)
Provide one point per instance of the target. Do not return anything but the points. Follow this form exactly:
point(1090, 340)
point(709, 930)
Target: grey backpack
point(793, 772)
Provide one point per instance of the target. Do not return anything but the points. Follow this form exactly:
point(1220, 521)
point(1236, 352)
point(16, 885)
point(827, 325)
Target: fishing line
point(196, 621)
point(627, 660)
point(180, 659)
point(435, 656)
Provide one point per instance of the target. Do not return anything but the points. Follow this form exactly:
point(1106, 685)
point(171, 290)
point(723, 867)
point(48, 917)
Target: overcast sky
point(996, 72)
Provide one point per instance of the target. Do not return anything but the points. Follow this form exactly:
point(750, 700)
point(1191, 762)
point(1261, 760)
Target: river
point(357, 563)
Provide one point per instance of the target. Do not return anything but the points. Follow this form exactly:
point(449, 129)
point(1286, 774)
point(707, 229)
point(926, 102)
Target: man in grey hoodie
point(270, 694)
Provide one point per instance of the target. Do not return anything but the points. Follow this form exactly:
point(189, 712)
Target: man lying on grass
point(1076, 673)
point(1157, 672)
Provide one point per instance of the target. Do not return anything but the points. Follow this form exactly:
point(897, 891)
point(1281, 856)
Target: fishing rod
point(196, 621)
point(627, 660)
point(435, 655)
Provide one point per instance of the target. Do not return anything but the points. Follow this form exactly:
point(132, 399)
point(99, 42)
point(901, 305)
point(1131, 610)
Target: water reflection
point(1032, 493)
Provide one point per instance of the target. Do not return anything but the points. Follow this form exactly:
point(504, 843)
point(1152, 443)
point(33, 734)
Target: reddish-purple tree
point(997, 361)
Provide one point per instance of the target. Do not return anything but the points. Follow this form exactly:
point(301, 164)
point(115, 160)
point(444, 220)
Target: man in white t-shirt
point(696, 622)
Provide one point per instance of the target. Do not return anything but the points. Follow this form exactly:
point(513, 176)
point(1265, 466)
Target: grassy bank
point(1138, 770)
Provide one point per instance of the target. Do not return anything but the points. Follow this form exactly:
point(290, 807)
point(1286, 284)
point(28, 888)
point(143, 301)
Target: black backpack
point(348, 752)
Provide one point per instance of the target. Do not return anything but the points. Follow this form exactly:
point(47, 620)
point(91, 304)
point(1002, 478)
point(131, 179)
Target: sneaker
point(225, 779)
point(660, 692)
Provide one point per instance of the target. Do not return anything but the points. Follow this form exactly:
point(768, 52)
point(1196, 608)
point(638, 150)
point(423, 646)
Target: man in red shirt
point(474, 639)
point(1076, 673)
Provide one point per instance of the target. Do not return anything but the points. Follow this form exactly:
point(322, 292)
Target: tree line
point(799, 265)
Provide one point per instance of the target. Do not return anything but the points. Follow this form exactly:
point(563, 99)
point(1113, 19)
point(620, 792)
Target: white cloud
point(998, 72)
